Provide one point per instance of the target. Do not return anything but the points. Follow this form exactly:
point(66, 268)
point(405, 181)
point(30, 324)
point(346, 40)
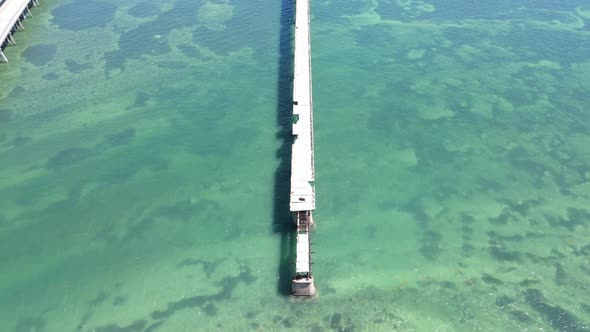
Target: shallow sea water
point(144, 167)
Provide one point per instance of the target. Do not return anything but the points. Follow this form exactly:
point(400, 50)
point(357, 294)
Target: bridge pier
point(303, 285)
point(3, 57)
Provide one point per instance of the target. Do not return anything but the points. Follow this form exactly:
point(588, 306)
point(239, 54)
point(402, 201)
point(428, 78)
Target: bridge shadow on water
point(282, 219)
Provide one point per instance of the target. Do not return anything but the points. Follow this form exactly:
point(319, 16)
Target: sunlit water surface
point(144, 166)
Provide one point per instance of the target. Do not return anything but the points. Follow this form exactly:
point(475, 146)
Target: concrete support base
point(3, 57)
point(303, 287)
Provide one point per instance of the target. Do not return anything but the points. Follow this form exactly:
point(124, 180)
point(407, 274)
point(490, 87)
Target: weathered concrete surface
point(302, 162)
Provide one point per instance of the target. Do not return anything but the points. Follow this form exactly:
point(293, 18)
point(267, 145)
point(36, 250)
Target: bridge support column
point(10, 40)
point(3, 57)
point(19, 26)
point(35, 3)
point(28, 13)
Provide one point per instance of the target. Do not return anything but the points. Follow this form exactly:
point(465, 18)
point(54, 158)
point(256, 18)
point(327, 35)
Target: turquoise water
point(144, 167)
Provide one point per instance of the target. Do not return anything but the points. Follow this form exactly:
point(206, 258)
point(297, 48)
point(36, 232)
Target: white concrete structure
point(302, 164)
point(11, 14)
point(303, 283)
point(302, 263)
point(302, 201)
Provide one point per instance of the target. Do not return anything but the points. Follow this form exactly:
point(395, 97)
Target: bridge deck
point(302, 264)
point(302, 162)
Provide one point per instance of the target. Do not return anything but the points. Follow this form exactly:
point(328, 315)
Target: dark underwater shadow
point(282, 219)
